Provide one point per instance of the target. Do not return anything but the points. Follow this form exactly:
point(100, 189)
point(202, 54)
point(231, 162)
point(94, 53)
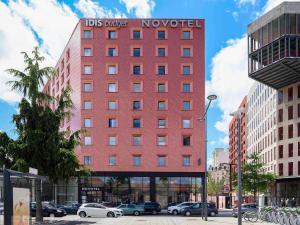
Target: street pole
point(239, 173)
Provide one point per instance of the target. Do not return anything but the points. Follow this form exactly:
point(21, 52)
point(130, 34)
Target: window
point(280, 151)
point(112, 69)
point(112, 105)
point(87, 34)
point(136, 34)
point(298, 110)
point(87, 122)
point(87, 105)
point(136, 105)
point(290, 131)
point(186, 52)
point(161, 34)
point(186, 70)
point(290, 94)
point(87, 87)
point(162, 105)
point(136, 70)
point(136, 87)
point(87, 52)
point(298, 126)
point(290, 112)
point(136, 159)
point(68, 70)
point(112, 160)
point(136, 140)
point(298, 167)
point(161, 87)
point(112, 123)
point(280, 115)
point(186, 105)
point(161, 52)
point(186, 140)
point(87, 69)
point(298, 148)
point(136, 123)
point(161, 160)
point(112, 34)
point(161, 70)
point(280, 133)
point(280, 97)
point(186, 87)
point(186, 34)
point(161, 140)
point(186, 160)
point(112, 52)
point(280, 168)
point(112, 140)
point(161, 123)
point(87, 160)
point(291, 169)
point(87, 140)
point(186, 123)
point(112, 87)
point(291, 150)
point(136, 52)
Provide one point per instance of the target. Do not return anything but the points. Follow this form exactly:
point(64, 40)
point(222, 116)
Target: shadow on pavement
point(64, 222)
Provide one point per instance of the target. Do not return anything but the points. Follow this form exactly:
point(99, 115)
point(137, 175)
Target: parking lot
point(147, 220)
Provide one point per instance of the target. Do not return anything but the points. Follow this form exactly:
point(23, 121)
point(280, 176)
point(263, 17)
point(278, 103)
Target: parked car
point(69, 207)
point(176, 208)
point(1, 208)
point(152, 207)
point(131, 209)
point(245, 208)
point(49, 210)
point(196, 209)
point(98, 210)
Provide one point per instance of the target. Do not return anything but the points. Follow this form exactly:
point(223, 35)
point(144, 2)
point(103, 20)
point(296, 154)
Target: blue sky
point(226, 59)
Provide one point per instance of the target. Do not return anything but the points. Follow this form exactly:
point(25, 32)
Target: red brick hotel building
point(138, 89)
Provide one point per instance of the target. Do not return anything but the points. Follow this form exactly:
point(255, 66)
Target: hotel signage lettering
point(144, 23)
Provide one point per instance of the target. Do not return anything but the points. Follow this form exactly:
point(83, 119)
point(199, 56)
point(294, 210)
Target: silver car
point(245, 208)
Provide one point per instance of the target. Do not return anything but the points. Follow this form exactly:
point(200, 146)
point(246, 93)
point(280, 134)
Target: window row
point(161, 87)
point(137, 105)
point(137, 69)
point(161, 51)
point(290, 169)
point(290, 132)
point(137, 160)
point(137, 34)
point(289, 95)
point(290, 114)
point(136, 139)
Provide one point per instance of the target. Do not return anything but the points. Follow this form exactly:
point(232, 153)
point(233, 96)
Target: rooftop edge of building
point(283, 8)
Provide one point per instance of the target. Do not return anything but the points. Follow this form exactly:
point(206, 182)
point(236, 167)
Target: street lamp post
point(238, 114)
point(204, 118)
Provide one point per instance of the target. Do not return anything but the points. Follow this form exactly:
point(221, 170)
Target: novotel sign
point(145, 23)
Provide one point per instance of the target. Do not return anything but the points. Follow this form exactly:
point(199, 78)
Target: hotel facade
point(138, 89)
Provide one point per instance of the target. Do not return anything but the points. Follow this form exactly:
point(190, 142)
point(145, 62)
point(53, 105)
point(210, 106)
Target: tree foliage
point(214, 186)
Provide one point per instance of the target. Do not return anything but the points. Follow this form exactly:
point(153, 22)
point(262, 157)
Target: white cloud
point(93, 9)
point(235, 15)
point(23, 24)
point(272, 3)
point(242, 2)
point(229, 79)
point(141, 8)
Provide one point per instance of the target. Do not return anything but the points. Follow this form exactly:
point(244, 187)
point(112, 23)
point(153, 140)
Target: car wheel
point(154, 212)
point(82, 214)
point(187, 213)
point(175, 212)
point(212, 214)
point(52, 215)
point(110, 214)
point(136, 213)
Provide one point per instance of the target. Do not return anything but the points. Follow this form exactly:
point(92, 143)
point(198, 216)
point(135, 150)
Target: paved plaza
point(148, 220)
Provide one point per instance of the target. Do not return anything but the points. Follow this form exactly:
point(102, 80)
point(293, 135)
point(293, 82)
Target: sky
point(49, 23)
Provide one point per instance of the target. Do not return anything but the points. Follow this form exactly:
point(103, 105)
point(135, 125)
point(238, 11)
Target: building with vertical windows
point(138, 89)
point(233, 136)
point(274, 41)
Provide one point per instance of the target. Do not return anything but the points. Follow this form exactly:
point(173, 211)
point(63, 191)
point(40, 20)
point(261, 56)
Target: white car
point(175, 209)
point(98, 210)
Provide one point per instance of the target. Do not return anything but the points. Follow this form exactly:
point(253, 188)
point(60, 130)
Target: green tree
point(215, 187)
point(41, 144)
point(254, 179)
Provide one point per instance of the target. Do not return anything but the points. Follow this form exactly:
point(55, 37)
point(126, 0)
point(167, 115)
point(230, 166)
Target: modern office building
point(220, 155)
point(233, 136)
point(138, 89)
point(273, 41)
